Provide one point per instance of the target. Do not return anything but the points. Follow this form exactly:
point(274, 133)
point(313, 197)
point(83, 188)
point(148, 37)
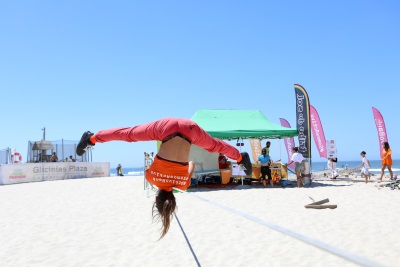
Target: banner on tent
point(255, 148)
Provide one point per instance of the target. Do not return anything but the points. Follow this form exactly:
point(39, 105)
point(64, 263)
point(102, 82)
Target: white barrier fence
point(38, 172)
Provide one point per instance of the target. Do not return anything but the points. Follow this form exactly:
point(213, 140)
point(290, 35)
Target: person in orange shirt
point(386, 160)
point(171, 167)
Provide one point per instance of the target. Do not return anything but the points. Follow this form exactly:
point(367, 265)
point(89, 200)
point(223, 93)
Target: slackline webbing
point(187, 241)
point(314, 242)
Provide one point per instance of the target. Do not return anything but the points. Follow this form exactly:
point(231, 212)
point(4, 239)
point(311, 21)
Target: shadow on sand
point(239, 186)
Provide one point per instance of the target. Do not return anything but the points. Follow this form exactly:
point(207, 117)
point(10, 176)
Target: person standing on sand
point(119, 170)
point(265, 161)
point(366, 165)
point(267, 145)
point(386, 160)
point(300, 166)
point(171, 167)
point(332, 167)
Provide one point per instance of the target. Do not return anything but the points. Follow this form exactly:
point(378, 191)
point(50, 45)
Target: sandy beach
point(107, 222)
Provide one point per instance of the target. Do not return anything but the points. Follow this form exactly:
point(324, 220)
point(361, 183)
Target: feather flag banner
point(318, 132)
point(303, 120)
point(380, 127)
point(289, 142)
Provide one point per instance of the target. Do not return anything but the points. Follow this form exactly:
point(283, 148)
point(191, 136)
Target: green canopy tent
point(233, 124)
point(230, 125)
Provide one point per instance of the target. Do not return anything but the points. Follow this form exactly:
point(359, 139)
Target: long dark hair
point(386, 145)
point(163, 209)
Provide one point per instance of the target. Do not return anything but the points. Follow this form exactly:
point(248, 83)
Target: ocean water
point(315, 167)
point(138, 171)
point(375, 166)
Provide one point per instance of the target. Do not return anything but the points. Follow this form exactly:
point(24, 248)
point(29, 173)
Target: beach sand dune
point(108, 222)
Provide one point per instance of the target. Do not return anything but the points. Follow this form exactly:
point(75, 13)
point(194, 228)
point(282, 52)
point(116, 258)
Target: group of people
point(265, 161)
point(54, 158)
point(386, 163)
point(366, 165)
point(171, 168)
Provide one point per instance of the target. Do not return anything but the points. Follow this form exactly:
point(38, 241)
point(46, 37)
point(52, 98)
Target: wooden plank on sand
point(321, 206)
point(326, 200)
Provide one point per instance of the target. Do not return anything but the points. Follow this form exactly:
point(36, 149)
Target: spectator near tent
point(222, 161)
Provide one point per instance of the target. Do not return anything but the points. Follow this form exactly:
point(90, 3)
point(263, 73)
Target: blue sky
point(72, 66)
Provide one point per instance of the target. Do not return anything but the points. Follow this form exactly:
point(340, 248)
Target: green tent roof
point(232, 124)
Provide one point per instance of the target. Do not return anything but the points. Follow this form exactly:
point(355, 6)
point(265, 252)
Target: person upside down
point(171, 167)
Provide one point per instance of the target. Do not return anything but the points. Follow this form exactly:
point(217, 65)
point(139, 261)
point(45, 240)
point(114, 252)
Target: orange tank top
point(388, 160)
point(166, 174)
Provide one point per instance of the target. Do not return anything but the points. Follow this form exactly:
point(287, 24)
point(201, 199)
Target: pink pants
point(161, 129)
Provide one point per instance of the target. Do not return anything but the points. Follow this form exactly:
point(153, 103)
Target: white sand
point(107, 222)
